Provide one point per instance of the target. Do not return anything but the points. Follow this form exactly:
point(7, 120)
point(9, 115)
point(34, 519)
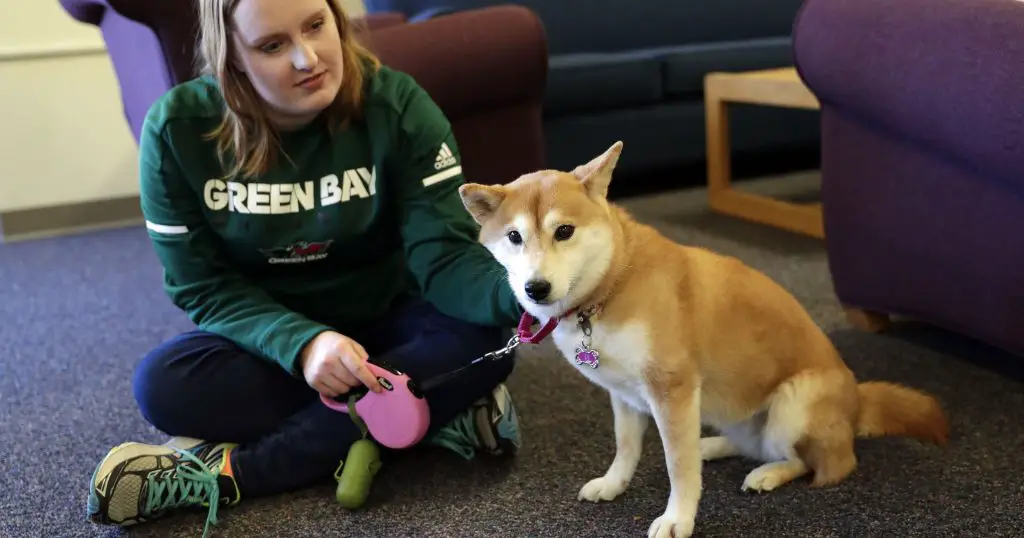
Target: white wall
point(56, 82)
point(354, 8)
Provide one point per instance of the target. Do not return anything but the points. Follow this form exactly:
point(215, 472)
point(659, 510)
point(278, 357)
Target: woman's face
point(291, 53)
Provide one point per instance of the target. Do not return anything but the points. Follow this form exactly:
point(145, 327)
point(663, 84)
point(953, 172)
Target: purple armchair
point(485, 68)
point(922, 159)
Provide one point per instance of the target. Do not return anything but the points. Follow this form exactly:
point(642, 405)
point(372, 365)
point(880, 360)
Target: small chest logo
point(298, 252)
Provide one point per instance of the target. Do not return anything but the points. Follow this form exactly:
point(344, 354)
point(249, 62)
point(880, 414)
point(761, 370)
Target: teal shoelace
point(184, 486)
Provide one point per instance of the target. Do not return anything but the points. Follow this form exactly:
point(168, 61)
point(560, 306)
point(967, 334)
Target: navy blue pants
point(201, 385)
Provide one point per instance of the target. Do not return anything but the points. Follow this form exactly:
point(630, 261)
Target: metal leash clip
point(430, 383)
point(503, 352)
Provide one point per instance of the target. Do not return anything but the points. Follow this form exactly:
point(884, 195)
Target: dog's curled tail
point(891, 409)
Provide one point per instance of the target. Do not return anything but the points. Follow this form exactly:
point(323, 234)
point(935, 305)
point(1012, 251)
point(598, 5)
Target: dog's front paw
point(670, 526)
point(602, 489)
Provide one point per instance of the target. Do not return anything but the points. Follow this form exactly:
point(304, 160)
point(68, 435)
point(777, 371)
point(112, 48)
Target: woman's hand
point(333, 364)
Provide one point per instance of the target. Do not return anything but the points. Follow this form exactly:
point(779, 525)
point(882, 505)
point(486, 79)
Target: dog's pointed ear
point(481, 200)
point(597, 174)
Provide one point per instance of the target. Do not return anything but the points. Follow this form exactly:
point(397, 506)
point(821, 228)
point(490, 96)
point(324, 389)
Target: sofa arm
point(473, 60)
point(149, 13)
point(174, 25)
point(86, 11)
point(377, 21)
point(945, 73)
point(92, 11)
point(431, 13)
point(159, 14)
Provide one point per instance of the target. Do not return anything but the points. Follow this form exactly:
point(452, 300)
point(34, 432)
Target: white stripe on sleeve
point(441, 176)
point(166, 229)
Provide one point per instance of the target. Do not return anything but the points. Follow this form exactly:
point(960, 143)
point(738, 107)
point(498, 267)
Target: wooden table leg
point(867, 320)
point(716, 121)
point(723, 198)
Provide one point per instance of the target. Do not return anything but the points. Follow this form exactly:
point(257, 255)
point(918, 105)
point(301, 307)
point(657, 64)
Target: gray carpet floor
point(78, 311)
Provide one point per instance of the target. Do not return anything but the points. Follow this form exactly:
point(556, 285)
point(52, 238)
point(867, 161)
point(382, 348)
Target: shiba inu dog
point(687, 337)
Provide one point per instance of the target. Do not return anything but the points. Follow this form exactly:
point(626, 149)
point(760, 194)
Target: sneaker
point(489, 424)
point(137, 482)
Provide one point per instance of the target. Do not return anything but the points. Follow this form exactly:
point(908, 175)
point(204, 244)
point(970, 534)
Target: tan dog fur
point(687, 336)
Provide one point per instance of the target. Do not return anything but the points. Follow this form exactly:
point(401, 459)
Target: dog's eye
point(514, 237)
point(564, 232)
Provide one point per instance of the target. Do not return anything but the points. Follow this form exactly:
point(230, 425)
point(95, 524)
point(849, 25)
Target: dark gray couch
point(633, 70)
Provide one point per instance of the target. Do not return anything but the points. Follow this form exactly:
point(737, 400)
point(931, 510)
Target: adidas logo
point(444, 157)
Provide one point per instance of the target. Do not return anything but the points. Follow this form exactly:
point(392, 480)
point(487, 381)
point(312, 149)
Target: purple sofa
point(485, 68)
point(922, 159)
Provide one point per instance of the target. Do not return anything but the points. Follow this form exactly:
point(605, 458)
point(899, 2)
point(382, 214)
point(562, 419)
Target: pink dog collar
point(528, 320)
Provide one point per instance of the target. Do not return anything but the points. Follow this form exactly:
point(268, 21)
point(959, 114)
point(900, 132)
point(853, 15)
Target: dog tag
point(587, 356)
point(584, 353)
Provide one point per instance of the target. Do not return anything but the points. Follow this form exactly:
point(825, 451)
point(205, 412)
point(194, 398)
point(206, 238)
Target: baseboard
point(66, 219)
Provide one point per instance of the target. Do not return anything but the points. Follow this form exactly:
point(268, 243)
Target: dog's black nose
point(538, 290)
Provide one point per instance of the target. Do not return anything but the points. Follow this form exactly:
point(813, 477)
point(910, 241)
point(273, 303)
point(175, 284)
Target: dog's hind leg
point(827, 446)
point(808, 429)
point(717, 447)
point(745, 438)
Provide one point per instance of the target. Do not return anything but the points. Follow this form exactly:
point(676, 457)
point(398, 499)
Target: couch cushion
point(615, 25)
point(574, 26)
point(686, 66)
point(592, 81)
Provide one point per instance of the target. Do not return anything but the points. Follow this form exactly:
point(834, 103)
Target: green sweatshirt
point(329, 237)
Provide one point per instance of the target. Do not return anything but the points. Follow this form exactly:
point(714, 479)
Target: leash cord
point(499, 354)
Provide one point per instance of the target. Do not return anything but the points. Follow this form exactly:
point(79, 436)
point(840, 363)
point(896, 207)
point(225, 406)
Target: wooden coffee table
point(771, 87)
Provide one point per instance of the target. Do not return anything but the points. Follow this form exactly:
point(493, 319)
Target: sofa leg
point(867, 320)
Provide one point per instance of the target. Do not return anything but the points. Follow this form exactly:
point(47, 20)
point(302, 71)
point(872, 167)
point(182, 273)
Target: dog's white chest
point(612, 358)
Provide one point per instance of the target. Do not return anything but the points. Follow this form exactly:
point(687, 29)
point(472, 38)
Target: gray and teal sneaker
point(136, 482)
point(490, 424)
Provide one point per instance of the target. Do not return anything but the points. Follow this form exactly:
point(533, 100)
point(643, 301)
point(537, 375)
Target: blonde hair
point(245, 131)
